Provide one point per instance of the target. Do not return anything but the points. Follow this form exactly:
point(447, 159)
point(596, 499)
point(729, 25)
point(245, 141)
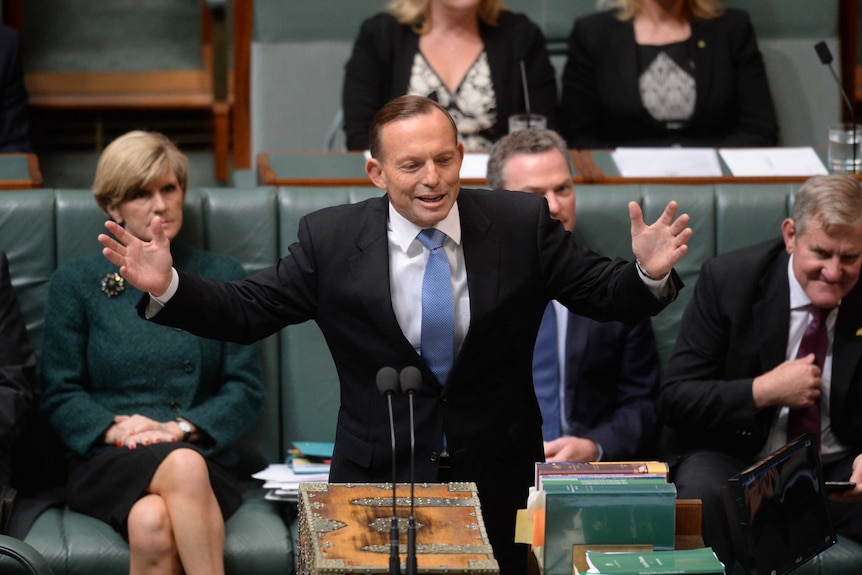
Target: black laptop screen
point(779, 511)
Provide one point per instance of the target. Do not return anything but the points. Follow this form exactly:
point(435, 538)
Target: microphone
point(526, 92)
point(825, 56)
point(411, 381)
point(387, 384)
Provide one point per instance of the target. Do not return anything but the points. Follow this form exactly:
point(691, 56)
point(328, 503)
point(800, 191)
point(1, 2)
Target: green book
point(619, 511)
point(683, 562)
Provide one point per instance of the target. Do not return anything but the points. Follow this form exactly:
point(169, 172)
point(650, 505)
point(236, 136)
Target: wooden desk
point(19, 172)
point(336, 169)
point(598, 167)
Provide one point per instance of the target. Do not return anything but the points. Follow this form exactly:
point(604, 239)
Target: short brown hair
point(833, 200)
point(401, 108)
point(529, 141)
point(131, 162)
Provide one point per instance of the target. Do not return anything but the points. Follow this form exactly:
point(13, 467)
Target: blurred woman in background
point(464, 54)
point(665, 73)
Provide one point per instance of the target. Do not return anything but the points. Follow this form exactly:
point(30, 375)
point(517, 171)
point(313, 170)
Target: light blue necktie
point(546, 374)
point(438, 313)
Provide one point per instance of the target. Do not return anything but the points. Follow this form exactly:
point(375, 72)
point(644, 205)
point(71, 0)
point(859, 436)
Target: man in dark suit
point(14, 118)
point(736, 381)
point(358, 271)
point(596, 382)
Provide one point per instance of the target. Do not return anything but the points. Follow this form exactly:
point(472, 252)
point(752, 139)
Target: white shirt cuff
point(158, 302)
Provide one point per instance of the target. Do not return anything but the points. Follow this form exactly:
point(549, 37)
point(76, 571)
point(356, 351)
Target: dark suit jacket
point(14, 118)
point(601, 103)
point(517, 260)
point(736, 328)
point(612, 377)
point(18, 383)
point(379, 70)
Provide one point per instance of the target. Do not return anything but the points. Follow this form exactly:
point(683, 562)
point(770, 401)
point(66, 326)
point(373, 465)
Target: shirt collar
point(404, 231)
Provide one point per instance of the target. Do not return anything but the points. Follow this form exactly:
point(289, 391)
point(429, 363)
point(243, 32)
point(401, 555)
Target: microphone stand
point(394, 559)
point(411, 522)
point(411, 381)
point(825, 56)
point(526, 93)
point(387, 383)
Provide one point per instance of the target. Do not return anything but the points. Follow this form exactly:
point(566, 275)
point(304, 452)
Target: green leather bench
point(41, 228)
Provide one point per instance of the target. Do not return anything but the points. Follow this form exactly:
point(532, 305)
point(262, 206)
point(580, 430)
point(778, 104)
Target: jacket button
point(434, 456)
point(188, 366)
point(175, 406)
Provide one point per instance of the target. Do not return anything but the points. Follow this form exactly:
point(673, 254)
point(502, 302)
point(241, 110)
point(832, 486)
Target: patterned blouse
point(473, 105)
point(666, 83)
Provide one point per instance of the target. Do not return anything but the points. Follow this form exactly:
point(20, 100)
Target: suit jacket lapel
point(702, 49)
point(771, 314)
point(369, 273)
point(846, 352)
point(625, 60)
point(482, 260)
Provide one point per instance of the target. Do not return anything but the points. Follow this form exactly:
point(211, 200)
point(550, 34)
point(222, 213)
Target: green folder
point(619, 511)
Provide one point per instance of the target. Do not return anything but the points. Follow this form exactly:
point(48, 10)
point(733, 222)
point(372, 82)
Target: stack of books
point(578, 505)
point(684, 562)
point(307, 461)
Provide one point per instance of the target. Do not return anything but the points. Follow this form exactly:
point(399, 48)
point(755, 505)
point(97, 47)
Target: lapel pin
point(701, 43)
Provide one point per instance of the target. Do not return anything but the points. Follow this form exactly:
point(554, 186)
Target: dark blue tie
point(546, 374)
point(438, 312)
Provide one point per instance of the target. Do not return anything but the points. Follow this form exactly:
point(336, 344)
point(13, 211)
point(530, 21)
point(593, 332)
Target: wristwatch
point(185, 427)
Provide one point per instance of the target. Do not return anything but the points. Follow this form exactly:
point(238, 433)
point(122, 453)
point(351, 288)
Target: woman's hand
point(133, 430)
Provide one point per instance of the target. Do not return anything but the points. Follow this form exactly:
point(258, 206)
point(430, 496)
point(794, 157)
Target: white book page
point(667, 162)
point(773, 161)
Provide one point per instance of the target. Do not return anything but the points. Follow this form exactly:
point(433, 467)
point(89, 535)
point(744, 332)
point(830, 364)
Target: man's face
point(826, 263)
point(545, 174)
point(419, 167)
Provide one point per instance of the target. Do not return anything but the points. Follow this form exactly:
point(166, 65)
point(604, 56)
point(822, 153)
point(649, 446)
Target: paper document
point(666, 162)
point(773, 161)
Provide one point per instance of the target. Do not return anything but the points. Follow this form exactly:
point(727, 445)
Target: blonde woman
point(665, 73)
point(148, 414)
point(464, 54)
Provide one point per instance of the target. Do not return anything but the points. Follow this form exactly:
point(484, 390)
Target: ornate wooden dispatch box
point(344, 528)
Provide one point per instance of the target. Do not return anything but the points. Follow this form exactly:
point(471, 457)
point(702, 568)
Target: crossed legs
point(178, 526)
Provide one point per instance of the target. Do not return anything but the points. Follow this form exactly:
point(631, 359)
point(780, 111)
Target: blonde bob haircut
point(693, 9)
point(131, 162)
point(415, 13)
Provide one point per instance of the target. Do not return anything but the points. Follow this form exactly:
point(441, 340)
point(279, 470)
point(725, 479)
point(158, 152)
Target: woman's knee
point(184, 467)
point(149, 526)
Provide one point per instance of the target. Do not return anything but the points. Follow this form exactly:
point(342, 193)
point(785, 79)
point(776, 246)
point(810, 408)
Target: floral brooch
point(112, 284)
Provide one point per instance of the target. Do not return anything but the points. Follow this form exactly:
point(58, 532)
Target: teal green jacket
point(100, 360)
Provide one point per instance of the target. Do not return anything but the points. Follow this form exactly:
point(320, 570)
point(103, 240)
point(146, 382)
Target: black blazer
point(517, 260)
point(379, 70)
point(734, 329)
point(601, 103)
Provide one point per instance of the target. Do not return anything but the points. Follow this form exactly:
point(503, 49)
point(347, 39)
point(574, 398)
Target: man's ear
point(788, 232)
point(375, 173)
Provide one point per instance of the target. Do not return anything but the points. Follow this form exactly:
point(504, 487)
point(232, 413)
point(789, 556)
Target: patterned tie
point(546, 374)
point(438, 313)
point(816, 341)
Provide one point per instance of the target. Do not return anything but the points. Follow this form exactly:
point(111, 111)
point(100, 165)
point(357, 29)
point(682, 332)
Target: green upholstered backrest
point(41, 228)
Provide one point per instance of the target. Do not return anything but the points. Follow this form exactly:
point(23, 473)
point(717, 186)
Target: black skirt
point(107, 485)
